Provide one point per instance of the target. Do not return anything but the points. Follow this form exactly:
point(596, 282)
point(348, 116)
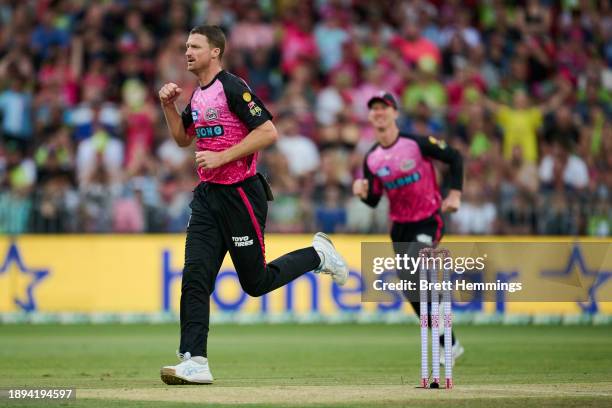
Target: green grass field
point(311, 365)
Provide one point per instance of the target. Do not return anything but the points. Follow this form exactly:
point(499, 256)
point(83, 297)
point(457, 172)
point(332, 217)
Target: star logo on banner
point(24, 281)
point(577, 268)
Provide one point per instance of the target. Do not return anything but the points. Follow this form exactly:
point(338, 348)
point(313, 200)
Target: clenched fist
point(169, 93)
point(361, 188)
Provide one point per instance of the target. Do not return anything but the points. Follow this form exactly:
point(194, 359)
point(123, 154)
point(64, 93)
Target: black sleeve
point(186, 116)
point(244, 103)
point(439, 150)
point(375, 190)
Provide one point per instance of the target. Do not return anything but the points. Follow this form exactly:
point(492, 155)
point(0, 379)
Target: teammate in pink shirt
point(228, 212)
point(400, 165)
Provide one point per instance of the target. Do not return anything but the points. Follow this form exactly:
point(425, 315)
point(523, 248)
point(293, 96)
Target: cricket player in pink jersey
point(228, 212)
point(400, 165)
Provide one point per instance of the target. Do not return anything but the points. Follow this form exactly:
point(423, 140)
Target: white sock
point(199, 359)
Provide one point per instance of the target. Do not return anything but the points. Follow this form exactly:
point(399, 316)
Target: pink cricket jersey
point(405, 172)
point(221, 114)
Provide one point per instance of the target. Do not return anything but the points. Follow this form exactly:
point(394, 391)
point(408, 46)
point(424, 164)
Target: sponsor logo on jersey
point(403, 181)
point(212, 114)
point(383, 171)
point(440, 143)
point(247, 97)
point(194, 115)
point(255, 110)
point(209, 131)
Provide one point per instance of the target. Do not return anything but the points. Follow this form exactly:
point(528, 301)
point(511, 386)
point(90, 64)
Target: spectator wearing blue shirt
point(331, 215)
point(16, 112)
point(330, 38)
point(46, 35)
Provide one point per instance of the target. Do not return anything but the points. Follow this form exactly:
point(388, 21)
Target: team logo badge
point(212, 114)
point(408, 165)
point(247, 97)
point(194, 115)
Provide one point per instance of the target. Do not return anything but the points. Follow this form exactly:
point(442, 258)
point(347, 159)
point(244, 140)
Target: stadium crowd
point(523, 89)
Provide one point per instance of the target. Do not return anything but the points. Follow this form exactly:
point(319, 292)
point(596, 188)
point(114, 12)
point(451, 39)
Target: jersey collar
point(213, 80)
point(392, 144)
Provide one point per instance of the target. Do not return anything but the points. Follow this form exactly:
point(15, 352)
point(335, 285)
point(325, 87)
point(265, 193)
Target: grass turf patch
point(337, 365)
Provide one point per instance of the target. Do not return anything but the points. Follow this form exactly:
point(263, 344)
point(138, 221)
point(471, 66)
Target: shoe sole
point(168, 376)
point(329, 241)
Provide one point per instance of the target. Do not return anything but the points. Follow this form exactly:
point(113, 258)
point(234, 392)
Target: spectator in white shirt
point(301, 152)
point(563, 169)
point(477, 215)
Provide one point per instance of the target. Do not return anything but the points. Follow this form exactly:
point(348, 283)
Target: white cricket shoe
point(457, 352)
point(332, 262)
point(191, 370)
